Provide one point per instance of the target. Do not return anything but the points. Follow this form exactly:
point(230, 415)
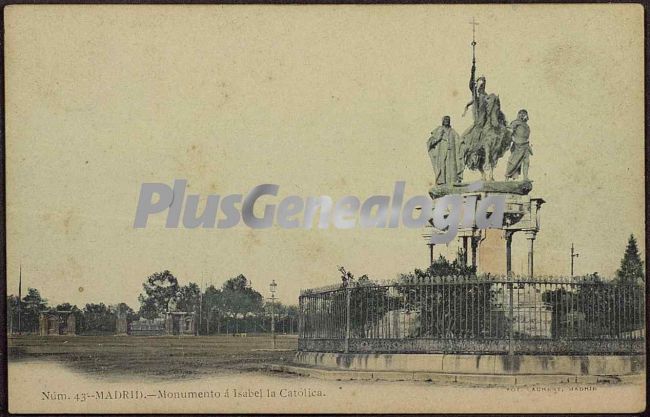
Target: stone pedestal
point(493, 247)
point(492, 253)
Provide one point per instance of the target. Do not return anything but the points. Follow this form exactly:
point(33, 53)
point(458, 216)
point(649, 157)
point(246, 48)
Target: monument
point(479, 148)
point(486, 320)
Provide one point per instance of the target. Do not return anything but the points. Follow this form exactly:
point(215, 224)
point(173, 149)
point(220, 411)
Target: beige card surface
point(245, 208)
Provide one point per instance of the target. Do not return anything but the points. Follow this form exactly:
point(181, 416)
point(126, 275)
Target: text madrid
point(379, 211)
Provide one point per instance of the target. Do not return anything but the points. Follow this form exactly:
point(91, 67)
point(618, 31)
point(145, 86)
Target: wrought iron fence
point(485, 314)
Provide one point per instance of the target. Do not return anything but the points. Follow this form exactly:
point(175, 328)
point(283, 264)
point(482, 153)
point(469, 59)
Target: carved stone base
point(506, 187)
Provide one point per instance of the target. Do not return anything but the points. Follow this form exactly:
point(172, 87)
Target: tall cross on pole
point(474, 23)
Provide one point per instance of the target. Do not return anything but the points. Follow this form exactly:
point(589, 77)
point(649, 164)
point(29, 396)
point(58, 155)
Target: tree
point(33, 304)
point(188, 297)
point(239, 299)
point(124, 309)
point(559, 300)
point(12, 314)
point(286, 317)
point(78, 315)
point(631, 270)
point(441, 267)
point(450, 300)
point(368, 303)
point(279, 312)
point(213, 309)
point(596, 308)
point(98, 318)
point(292, 317)
point(148, 308)
point(159, 289)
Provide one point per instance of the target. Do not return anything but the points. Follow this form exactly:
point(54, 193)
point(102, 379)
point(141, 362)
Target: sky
point(322, 100)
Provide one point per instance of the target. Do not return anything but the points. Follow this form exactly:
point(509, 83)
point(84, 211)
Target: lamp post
point(273, 287)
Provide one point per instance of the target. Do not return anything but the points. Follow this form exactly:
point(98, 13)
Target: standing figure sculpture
point(520, 149)
point(442, 147)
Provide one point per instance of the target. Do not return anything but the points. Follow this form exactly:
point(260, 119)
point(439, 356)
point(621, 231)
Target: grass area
point(162, 356)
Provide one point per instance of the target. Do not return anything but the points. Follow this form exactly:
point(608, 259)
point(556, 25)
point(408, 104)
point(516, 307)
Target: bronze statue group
point(483, 143)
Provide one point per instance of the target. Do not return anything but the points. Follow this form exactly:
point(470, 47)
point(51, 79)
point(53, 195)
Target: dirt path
point(165, 356)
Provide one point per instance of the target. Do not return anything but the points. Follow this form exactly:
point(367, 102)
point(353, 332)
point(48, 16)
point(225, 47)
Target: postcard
point(325, 208)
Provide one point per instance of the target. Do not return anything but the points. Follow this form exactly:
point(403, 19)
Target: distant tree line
point(92, 319)
point(235, 307)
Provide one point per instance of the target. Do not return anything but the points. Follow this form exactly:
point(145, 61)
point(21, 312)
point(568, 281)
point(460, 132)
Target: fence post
point(508, 236)
point(347, 318)
point(300, 319)
point(511, 309)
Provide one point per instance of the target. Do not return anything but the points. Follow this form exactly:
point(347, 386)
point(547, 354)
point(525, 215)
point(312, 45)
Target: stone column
point(121, 325)
point(169, 323)
point(42, 324)
point(509, 252)
point(71, 325)
point(530, 235)
point(474, 242)
point(465, 249)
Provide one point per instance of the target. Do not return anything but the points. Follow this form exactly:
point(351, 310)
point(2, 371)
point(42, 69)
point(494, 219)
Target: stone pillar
point(474, 248)
point(465, 250)
point(530, 235)
point(509, 252)
point(169, 323)
point(121, 326)
point(181, 322)
point(42, 324)
point(71, 325)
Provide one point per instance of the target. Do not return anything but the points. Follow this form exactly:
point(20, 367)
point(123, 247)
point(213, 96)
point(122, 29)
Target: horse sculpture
point(488, 138)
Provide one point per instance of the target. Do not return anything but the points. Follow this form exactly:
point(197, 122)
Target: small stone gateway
point(56, 323)
point(180, 323)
